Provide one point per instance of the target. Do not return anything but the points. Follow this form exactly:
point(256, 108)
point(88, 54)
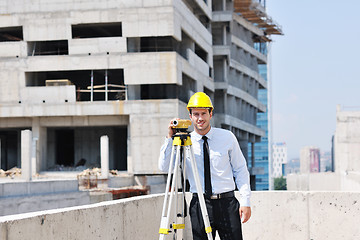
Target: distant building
point(310, 159)
point(346, 153)
point(347, 142)
point(279, 159)
point(325, 162)
point(292, 166)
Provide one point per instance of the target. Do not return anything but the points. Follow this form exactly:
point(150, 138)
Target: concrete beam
point(247, 71)
point(241, 44)
point(222, 16)
point(231, 90)
point(235, 122)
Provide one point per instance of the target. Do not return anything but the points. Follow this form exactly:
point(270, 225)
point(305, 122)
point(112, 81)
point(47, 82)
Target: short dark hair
point(209, 109)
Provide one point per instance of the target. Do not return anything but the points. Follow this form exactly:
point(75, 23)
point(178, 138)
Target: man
point(219, 160)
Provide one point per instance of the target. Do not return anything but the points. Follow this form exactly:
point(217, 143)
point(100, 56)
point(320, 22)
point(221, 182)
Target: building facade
point(309, 159)
point(279, 152)
point(261, 149)
point(74, 71)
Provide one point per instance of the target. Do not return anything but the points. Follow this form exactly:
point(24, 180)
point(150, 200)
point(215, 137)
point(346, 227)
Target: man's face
point(201, 120)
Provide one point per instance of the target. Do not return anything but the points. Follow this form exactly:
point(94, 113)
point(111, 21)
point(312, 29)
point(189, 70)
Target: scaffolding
point(254, 12)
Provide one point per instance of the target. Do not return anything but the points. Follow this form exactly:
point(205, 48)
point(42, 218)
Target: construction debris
point(129, 192)
point(90, 172)
point(13, 172)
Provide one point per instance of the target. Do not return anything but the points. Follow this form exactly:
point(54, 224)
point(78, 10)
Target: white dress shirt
point(226, 163)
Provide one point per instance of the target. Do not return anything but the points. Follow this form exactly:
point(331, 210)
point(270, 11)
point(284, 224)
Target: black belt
point(217, 196)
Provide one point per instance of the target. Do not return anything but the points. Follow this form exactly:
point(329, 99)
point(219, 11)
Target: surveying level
point(181, 149)
point(181, 124)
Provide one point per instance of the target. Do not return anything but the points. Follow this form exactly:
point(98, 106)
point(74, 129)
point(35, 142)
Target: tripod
point(182, 147)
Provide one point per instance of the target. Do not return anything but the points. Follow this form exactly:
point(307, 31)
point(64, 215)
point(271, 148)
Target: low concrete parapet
point(22, 196)
point(126, 219)
point(37, 187)
point(275, 215)
point(26, 204)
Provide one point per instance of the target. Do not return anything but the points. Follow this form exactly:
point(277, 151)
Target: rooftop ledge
point(275, 215)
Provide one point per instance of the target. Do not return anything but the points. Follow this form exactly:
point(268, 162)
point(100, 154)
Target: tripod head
point(181, 125)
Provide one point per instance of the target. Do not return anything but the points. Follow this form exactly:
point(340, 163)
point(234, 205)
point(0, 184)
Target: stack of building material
point(13, 172)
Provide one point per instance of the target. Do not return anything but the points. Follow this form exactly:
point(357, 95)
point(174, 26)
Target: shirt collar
point(197, 136)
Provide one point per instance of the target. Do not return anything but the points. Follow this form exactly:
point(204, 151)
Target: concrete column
point(26, 155)
point(39, 134)
point(224, 40)
point(0, 152)
point(104, 148)
point(34, 144)
point(225, 70)
point(130, 165)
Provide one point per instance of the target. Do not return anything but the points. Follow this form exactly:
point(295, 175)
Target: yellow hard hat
point(200, 100)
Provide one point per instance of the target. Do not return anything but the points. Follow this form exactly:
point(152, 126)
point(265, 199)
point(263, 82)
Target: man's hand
point(171, 130)
point(245, 213)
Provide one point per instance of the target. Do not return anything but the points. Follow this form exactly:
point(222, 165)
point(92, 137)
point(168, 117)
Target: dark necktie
point(207, 174)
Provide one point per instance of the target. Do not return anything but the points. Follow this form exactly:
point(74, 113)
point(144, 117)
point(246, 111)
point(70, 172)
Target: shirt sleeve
point(165, 155)
point(241, 173)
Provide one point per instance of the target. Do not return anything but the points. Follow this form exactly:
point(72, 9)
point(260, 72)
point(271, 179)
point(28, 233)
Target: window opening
point(11, 34)
point(96, 30)
point(38, 48)
point(201, 52)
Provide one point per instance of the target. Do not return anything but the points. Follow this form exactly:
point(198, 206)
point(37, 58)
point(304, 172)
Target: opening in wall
point(10, 148)
point(187, 89)
point(96, 85)
point(64, 147)
point(96, 30)
point(201, 52)
point(38, 48)
point(79, 148)
point(153, 44)
point(11, 34)
point(159, 91)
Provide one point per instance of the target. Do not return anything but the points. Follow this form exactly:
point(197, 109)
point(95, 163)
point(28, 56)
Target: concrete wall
point(53, 94)
point(37, 187)
point(97, 45)
point(346, 141)
point(275, 216)
point(26, 204)
point(22, 197)
point(324, 181)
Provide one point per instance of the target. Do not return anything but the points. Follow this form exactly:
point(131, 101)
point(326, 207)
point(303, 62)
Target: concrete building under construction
point(73, 71)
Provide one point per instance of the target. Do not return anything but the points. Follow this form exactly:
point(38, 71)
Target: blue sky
point(314, 68)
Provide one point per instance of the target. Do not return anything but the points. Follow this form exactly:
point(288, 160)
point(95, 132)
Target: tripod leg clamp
point(179, 226)
point(163, 231)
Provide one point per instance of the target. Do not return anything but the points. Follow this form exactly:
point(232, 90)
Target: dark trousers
point(224, 217)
